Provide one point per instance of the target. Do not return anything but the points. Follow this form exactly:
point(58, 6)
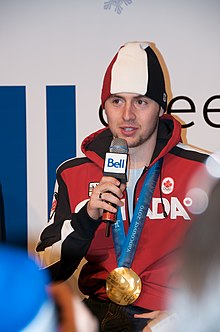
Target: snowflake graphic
point(117, 3)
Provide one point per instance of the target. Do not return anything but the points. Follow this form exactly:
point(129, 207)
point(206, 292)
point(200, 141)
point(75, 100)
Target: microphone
point(115, 166)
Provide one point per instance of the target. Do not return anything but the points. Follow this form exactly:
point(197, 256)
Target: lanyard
point(125, 246)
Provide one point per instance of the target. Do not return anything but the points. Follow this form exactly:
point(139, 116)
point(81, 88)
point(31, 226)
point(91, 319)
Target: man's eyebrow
point(119, 95)
point(115, 95)
point(141, 96)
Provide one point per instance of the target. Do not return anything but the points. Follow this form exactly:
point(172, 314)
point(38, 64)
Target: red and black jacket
point(71, 234)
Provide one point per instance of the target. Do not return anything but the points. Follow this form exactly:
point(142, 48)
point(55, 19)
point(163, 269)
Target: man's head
point(135, 69)
point(133, 94)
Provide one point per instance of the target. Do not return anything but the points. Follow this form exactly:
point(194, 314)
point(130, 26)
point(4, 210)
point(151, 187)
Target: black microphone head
point(118, 145)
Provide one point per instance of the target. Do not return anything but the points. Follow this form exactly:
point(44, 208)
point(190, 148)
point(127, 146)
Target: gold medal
point(123, 286)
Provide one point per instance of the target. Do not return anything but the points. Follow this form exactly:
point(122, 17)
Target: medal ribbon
point(125, 246)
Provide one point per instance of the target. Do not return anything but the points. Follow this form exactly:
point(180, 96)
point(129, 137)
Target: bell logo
point(116, 164)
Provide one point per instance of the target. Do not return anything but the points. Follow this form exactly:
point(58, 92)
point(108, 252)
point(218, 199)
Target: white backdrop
point(70, 42)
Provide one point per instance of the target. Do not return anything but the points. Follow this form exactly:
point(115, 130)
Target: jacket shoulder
point(73, 162)
point(189, 152)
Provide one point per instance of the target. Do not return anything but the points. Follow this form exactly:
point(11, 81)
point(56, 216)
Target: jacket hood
point(97, 144)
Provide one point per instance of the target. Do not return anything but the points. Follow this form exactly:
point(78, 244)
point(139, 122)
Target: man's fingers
point(150, 315)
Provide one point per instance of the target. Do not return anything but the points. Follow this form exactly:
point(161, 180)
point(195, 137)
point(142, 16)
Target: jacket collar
point(97, 144)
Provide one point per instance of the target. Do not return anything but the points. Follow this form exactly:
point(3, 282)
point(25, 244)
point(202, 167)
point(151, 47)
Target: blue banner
point(13, 172)
point(61, 130)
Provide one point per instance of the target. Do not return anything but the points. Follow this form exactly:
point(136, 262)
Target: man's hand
point(107, 191)
point(155, 316)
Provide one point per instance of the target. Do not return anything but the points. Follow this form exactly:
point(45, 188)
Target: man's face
point(132, 117)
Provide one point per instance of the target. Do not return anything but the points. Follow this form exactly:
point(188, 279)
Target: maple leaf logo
point(188, 201)
point(167, 185)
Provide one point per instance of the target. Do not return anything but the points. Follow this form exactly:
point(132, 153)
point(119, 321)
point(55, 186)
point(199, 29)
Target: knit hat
point(135, 69)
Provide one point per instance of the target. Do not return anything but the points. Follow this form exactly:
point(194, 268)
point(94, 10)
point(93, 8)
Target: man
point(134, 101)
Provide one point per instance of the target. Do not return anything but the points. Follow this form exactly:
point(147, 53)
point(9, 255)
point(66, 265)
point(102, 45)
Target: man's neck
point(141, 155)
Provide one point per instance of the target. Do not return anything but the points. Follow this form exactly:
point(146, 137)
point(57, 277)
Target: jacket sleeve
point(66, 238)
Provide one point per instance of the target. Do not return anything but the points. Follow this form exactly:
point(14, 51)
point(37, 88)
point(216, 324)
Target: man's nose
point(128, 111)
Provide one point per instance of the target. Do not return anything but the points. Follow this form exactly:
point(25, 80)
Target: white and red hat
point(135, 69)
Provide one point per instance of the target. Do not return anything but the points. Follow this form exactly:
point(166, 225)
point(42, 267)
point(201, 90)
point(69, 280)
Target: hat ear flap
point(161, 111)
point(101, 118)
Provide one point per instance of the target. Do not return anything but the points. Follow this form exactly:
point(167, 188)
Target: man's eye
point(141, 102)
point(116, 101)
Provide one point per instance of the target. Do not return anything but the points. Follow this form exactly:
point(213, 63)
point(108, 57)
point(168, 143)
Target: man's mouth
point(128, 129)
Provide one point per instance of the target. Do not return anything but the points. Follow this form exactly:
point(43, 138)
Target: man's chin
point(132, 143)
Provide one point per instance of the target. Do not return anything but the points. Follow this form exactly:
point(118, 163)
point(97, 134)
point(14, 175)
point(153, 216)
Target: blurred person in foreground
point(127, 274)
point(197, 302)
point(30, 303)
